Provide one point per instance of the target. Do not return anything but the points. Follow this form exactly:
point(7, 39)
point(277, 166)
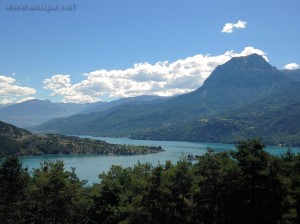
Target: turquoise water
point(88, 167)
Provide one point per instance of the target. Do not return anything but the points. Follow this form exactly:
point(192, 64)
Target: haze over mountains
point(102, 106)
point(33, 112)
point(242, 98)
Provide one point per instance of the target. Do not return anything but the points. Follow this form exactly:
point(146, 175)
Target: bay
point(88, 167)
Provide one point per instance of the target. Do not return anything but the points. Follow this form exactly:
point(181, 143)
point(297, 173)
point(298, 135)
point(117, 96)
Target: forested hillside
point(20, 142)
point(247, 185)
point(275, 118)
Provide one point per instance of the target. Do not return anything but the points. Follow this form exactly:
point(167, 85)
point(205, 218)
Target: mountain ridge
point(34, 112)
point(237, 83)
point(274, 118)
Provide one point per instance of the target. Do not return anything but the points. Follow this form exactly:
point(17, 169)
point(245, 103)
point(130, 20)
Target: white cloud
point(10, 91)
point(25, 99)
point(230, 27)
point(291, 66)
point(61, 86)
point(162, 78)
point(249, 51)
point(7, 101)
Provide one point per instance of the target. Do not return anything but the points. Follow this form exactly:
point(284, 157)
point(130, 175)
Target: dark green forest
point(247, 185)
point(61, 144)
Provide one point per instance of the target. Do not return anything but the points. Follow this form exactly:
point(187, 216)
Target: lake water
point(88, 167)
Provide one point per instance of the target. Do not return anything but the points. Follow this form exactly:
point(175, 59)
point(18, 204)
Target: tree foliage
point(247, 185)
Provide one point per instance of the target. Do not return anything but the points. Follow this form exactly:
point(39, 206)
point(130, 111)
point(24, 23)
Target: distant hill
point(102, 106)
point(233, 86)
point(33, 112)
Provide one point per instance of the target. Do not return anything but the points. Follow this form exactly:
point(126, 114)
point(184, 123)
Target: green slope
point(275, 118)
point(16, 141)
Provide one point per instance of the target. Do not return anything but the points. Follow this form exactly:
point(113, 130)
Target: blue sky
point(107, 49)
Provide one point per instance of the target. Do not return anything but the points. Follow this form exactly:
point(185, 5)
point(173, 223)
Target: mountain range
point(245, 97)
point(35, 112)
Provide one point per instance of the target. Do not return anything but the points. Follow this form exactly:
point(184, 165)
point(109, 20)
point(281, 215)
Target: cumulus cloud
point(162, 78)
point(230, 27)
point(25, 99)
point(291, 66)
point(61, 86)
point(7, 101)
point(10, 91)
point(249, 51)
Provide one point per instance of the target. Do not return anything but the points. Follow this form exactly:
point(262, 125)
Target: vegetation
point(16, 141)
point(275, 118)
point(243, 186)
point(60, 144)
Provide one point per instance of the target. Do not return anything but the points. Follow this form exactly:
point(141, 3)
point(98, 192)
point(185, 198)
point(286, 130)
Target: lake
point(88, 167)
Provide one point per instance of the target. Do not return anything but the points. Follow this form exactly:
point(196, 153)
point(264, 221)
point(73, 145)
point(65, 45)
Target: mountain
point(33, 112)
point(274, 118)
point(294, 74)
point(240, 82)
point(102, 106)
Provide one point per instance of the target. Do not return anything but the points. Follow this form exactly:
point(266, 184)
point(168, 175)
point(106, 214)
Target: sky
point(101, 50)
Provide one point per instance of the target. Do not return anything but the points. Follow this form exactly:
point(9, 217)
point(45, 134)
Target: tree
point(181, 178)
point(58, 196)
point(296, 187)
point(14, 181)
point(260, 189)
point(216, 178)
point(112, 196)
point(153, 200)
